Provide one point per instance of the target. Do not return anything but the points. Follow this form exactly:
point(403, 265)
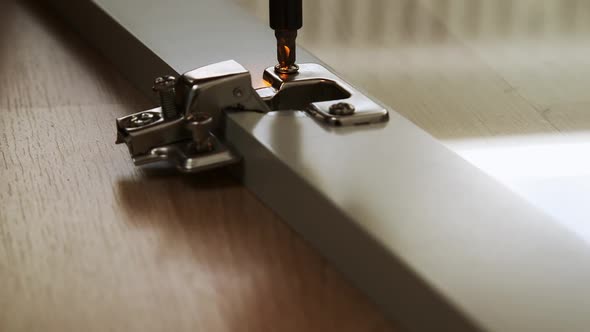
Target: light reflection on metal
point(323, 95)
point(194, 141)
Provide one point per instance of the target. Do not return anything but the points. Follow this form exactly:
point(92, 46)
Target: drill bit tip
point(286, 51)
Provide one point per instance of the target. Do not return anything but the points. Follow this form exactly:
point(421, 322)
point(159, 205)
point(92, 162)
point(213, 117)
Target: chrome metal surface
point(342, 109)
point(315, 89)
point(214, 71)
point(238, 92)
point(144, 119)
point(217, 87)
point(161, 135)
point(201, 126)
point(184, 157)
point(187, 142)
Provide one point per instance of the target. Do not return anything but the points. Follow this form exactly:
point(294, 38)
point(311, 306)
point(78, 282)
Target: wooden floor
point(90, 243)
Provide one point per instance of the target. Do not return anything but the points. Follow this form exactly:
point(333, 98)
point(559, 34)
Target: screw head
point(143, 119)
point(342, 109)
point(164, 83)
point(293, 69)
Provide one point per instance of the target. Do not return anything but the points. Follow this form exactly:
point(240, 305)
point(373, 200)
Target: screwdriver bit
point(286, 17)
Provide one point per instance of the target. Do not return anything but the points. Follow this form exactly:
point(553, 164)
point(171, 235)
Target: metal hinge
point(186, 131)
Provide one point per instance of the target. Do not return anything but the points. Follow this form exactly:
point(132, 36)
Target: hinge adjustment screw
point(164, 86)
point(342, 109)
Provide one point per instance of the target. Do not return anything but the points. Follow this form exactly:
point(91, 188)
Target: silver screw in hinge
point(342, 109)
point(164, 86)
point(143, 119)
point(200, 126)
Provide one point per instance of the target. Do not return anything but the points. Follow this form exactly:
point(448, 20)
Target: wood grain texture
point(90, 243)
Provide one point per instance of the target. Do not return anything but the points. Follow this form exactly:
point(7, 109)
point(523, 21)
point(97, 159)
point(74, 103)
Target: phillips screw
point(343, 109)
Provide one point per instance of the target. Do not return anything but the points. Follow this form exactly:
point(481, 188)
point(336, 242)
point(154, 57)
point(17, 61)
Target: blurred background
point(504, 83)
point(391, 48)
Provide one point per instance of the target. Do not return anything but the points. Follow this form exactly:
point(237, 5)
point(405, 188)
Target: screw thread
point(168, 104)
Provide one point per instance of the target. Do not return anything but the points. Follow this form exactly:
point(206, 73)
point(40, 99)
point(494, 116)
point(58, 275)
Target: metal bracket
point(323, 95)
point(187, 132)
